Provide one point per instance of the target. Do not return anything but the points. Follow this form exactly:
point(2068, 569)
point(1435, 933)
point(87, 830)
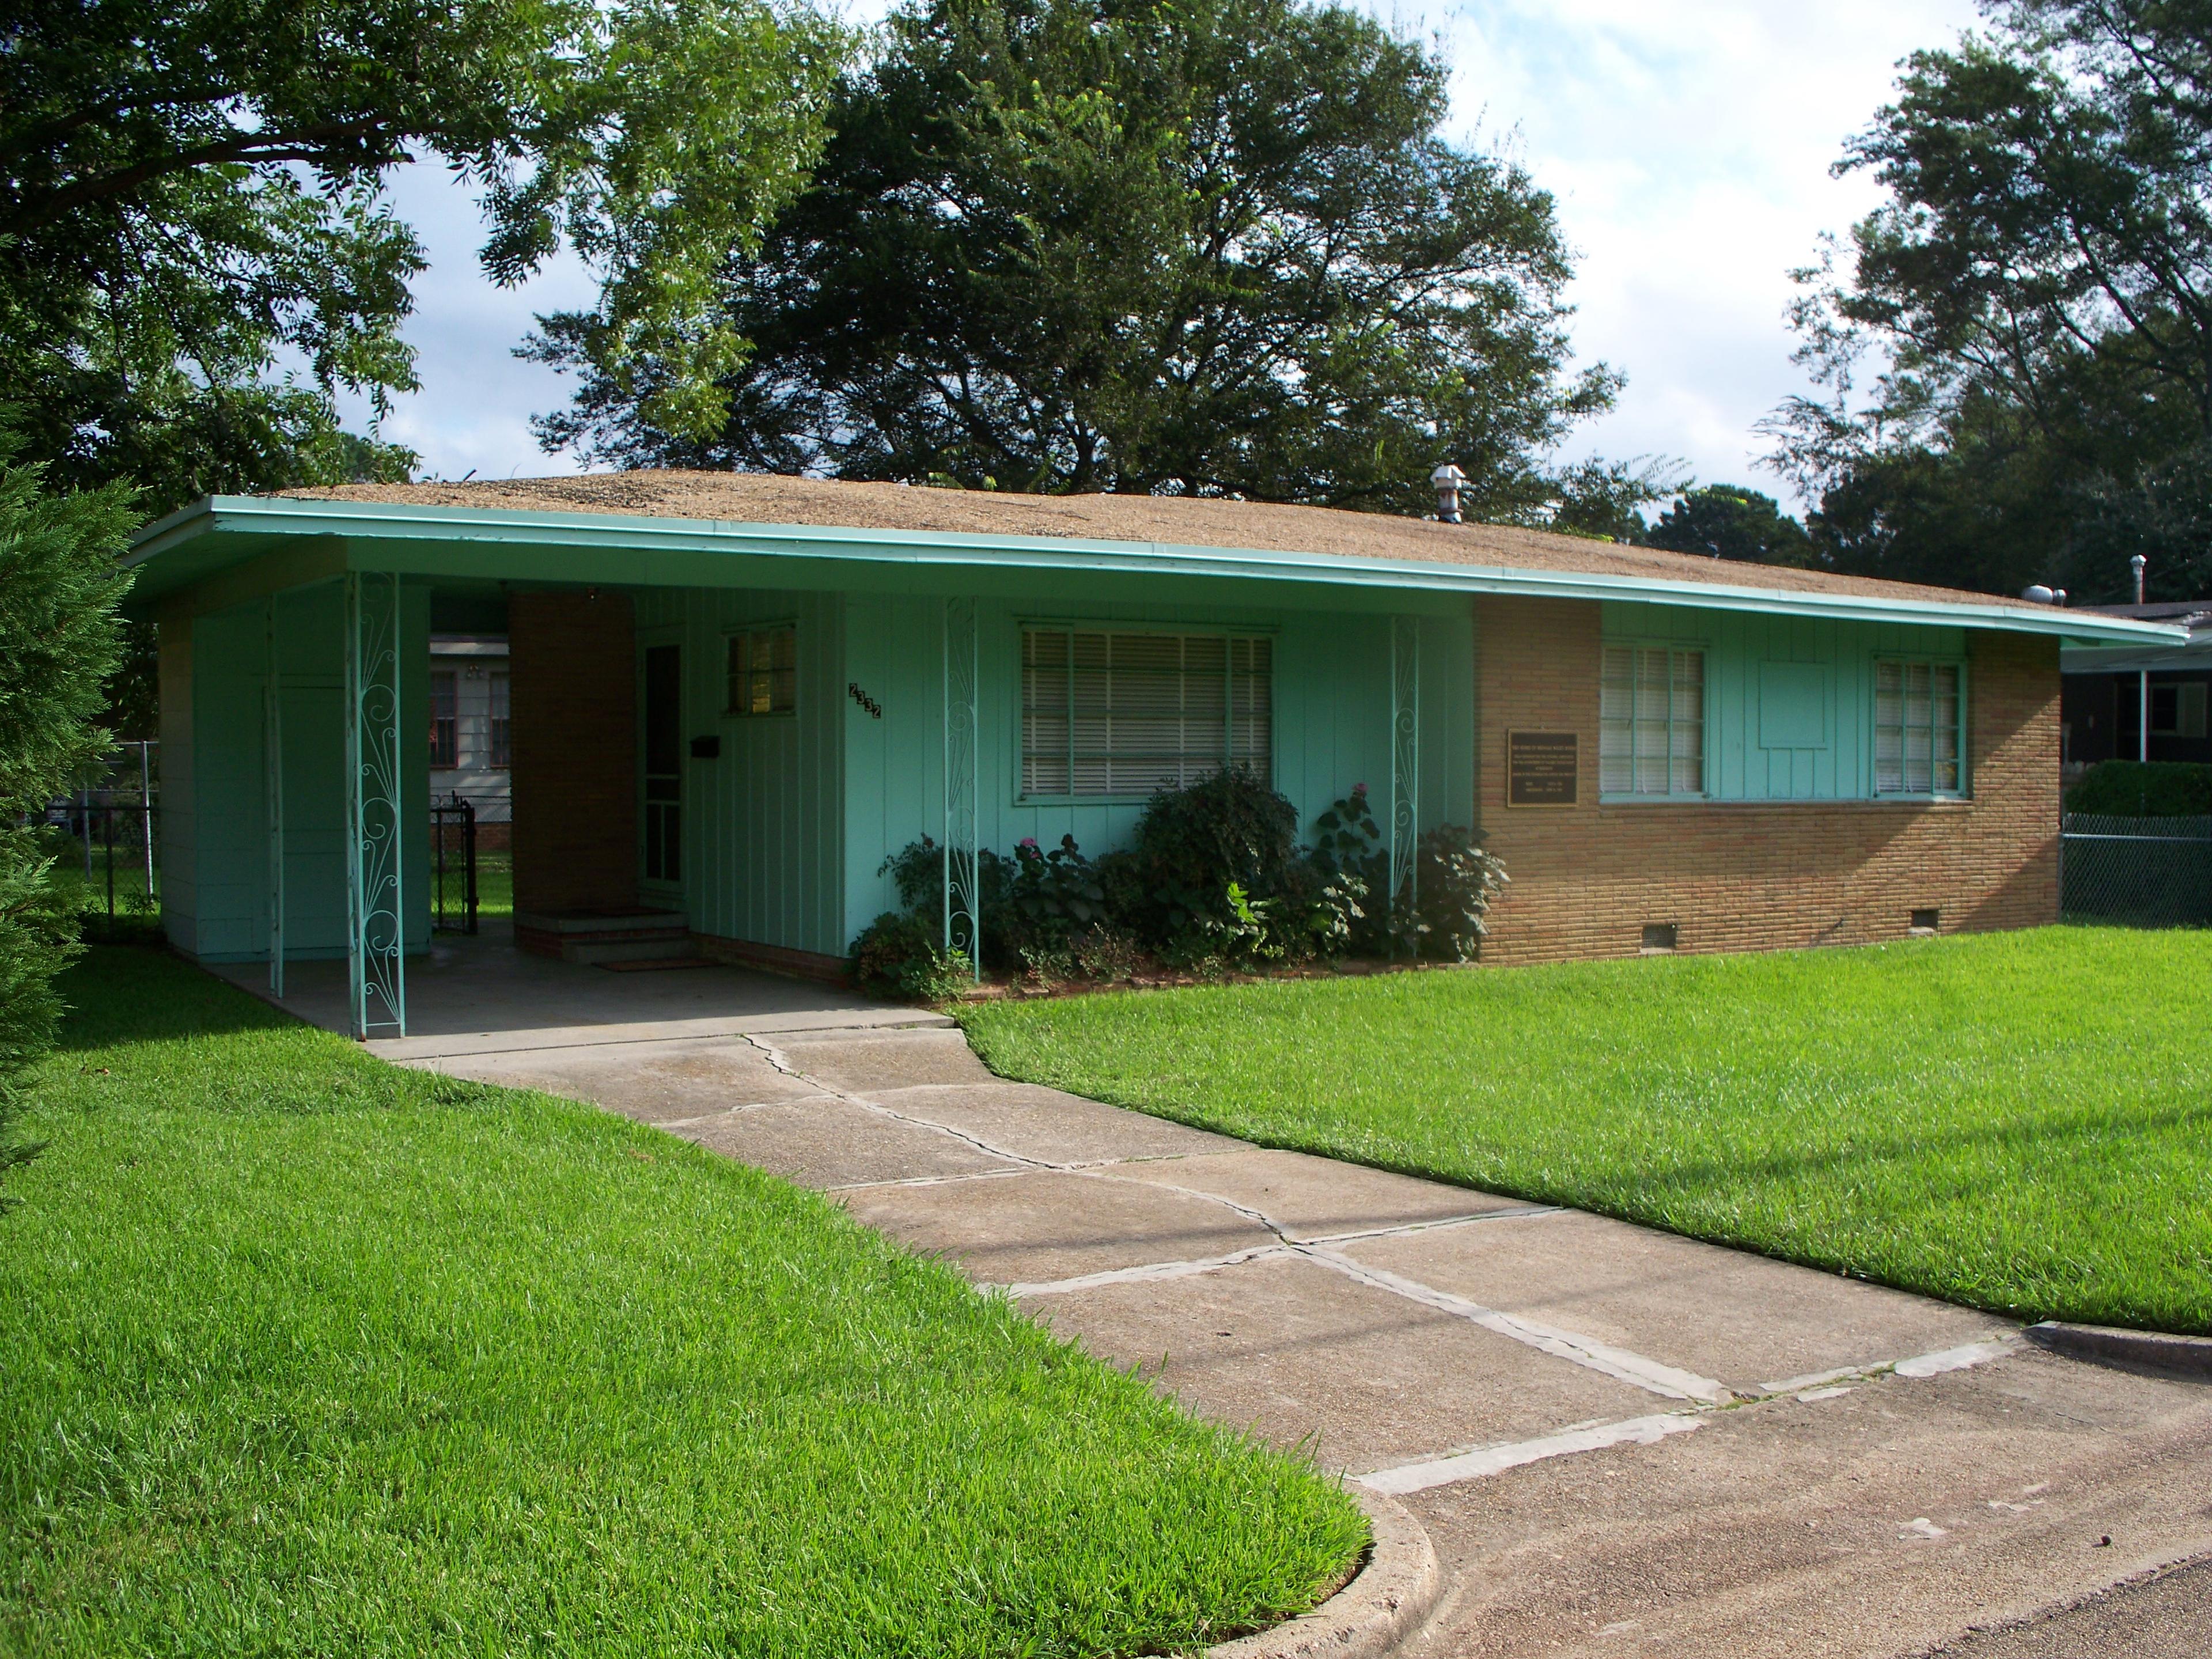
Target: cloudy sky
point(1688, 143)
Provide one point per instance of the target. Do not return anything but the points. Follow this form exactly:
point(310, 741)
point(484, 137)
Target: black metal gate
point(453, 865)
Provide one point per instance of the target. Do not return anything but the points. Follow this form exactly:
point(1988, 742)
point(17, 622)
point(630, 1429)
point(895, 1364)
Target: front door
point(664, 763)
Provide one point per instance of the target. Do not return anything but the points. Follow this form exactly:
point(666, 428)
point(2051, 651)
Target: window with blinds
point(763, 671)
point(1919, 728)
point(1651, 721)
point(1107, 716)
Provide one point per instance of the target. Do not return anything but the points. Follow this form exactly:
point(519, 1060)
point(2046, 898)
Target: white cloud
point(1688, 145)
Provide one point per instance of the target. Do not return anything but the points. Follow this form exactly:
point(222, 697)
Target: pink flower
point(1028, 841)
point(1359, 788)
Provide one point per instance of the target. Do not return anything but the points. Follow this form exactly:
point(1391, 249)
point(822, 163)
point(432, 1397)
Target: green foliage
point(1192, 844)
point(2140, 789)
point(1729, 521)
point(59, 587)
point(193, 193)
point(1215, 879)
point(898, 954)
point(391, 1363)
point(2025, 312)
point(2019, 1121)
point(1212, 247)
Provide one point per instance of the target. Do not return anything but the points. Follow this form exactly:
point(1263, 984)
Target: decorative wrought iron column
point(963, 910)
point(375, 821)
point(1405, 761)
point(272, 779)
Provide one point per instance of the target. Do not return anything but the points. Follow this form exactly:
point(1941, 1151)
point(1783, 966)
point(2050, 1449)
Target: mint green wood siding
point(762, 822)
point(1788, 700)
point(1331, 705)
point(222, 915)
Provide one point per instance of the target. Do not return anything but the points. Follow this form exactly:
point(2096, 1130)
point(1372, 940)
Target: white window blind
point(1110, 715)
point(1919, 718)
point(1651, 721)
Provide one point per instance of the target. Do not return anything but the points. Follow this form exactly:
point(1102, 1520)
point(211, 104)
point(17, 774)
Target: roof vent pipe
point(2038, 594)
point(2139, 564)
point(1448, 478)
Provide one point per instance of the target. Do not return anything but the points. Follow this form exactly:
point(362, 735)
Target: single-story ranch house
point(732, 696)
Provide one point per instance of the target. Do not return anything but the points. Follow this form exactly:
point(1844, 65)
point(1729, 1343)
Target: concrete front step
point(606, 936)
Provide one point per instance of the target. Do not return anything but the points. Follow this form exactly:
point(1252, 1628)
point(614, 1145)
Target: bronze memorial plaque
point(1539, 769)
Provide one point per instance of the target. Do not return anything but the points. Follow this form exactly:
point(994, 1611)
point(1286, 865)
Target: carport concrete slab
point(652, 1082)
point(1878, 1523)
point(859, 1063)
point(1743, 1319)
point(1044, 1124)
point(1318, 1198)
point(1301, 1354)
point(823, 1142)
point(1046, 1226)
point(473, 995)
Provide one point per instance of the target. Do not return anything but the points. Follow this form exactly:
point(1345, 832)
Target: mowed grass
point(306, 1354)
point(2020, 1122)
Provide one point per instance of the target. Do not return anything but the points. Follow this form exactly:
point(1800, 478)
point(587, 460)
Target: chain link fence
point(2148, 872)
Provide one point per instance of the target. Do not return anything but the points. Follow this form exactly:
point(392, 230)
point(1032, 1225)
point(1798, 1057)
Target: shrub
point(2140, 789)
point(897, 954)
point(1192, 844)
point(1052, 895)
point(1454, 886)
point(59, 587)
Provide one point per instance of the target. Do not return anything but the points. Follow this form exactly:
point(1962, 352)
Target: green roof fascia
point(239, 524)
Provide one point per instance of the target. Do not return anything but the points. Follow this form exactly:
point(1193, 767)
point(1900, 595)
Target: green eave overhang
point(215, 535)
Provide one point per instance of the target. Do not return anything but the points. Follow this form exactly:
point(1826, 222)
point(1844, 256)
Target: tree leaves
point(1215, 247)
point(197, 257)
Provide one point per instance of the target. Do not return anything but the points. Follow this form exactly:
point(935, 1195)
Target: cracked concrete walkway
point(1619, 1440)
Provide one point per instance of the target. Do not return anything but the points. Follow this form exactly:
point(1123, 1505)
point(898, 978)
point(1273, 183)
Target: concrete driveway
point(1620, 1441)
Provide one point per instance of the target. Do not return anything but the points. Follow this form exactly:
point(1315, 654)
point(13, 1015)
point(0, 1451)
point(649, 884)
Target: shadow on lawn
point(141, 993)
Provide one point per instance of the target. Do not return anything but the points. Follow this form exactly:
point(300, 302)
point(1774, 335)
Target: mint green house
point(732, 697)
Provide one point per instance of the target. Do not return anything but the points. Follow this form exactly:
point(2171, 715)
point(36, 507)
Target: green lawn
point(2019, 1121)
point(306, 1354)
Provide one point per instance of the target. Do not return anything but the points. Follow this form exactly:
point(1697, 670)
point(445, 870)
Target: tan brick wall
point(1586, 880)
point(574, 661)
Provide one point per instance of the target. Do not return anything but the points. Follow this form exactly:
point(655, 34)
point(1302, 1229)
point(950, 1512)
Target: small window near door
point(444, 721)
point(763, 666)
point(502, 752)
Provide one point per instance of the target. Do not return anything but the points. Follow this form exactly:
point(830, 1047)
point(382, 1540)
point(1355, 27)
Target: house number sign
point(1540, 768)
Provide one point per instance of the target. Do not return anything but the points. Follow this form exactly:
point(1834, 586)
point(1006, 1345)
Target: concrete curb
point(1386, 1601)
point(2189, 1356)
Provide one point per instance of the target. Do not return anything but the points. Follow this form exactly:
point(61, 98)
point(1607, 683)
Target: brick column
point(572, 659)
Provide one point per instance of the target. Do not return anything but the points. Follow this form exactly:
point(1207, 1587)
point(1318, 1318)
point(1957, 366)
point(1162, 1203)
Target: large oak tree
point(2017, 348)
point(1208, 246)
point(195, 255)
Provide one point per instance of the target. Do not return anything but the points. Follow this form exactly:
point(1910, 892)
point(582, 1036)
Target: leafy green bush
point(59, 588)
point(2140, 789)
point(1215, 879)
point(897, 954)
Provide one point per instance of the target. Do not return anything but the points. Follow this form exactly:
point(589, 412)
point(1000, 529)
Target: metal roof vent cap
point(2139, 564)
point(2038, 594)
point(1448, 479)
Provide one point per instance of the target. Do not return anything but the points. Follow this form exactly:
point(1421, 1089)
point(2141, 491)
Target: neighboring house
point(470, 728)
point(734, 697)
point(2110, 688)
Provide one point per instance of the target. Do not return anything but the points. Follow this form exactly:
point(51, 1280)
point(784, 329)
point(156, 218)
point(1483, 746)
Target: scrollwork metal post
point(375, 818)
point(1404, 764)
point(963, 921)
point(272, 778)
